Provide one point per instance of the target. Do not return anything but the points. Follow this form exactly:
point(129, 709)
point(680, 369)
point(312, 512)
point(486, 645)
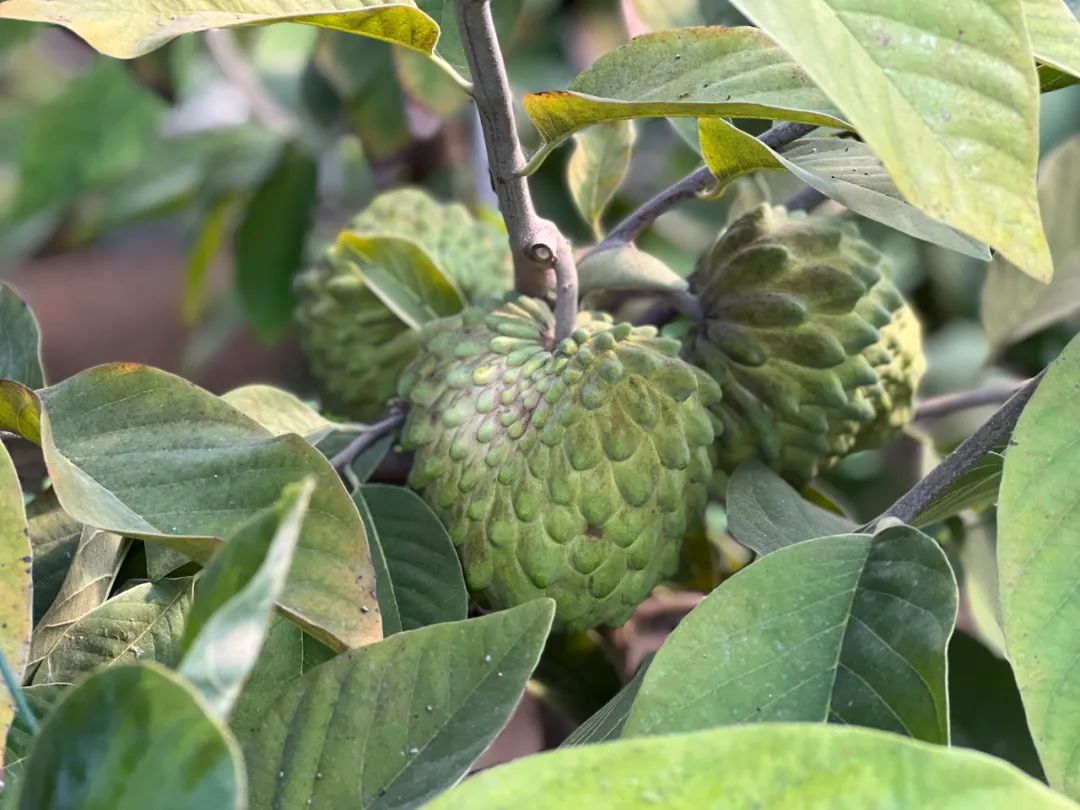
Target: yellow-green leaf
point(945, 94)
point(688, 73)
point(15, 586)
point(1055, 34)
point(597, 168)
point(132, 29)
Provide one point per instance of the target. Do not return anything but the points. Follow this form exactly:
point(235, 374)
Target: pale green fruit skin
point(354, 344)
point(570, 474)
point(816, 351)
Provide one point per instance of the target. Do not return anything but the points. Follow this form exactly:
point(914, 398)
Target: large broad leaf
point(269, 244)
point(86, 586)
point(20, 341)
point(20, 741)
point(622, 266)
point(15, 586)
point(1015, 306)
point(850, 629)
point(691, 72)
point(1038, 565)
point(146, 454)
point(597, 168)
point(424, 581)
point(766, 514)
point(144, 623)
point(945, 94)
point(281, 412)
point(1055, 34)
point(54, 538)
point(843, 169)
point(141, 28)
point(234, 601)
point(753, 767)
point(130, 738)
point(394, 723)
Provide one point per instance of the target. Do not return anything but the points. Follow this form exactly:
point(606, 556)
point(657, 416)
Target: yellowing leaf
point(126, 30)
point(945, 94)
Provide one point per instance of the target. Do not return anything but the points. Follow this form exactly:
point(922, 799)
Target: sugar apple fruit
point(354, 343)
point(816, 351)
point(569, 471)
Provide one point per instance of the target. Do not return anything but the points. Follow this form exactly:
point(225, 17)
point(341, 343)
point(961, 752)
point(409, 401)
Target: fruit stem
point(543, 258)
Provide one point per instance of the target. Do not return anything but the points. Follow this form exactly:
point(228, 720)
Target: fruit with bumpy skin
point(816, 351)
point(568, 472)
point(355, 345)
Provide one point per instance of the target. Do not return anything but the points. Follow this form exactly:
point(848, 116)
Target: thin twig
point(234, 65)
point(343, 460)
point(17, 696)
point(951, 403)
point(806, 200)
point(997, 428)
point(543, 258)
point(690, 186)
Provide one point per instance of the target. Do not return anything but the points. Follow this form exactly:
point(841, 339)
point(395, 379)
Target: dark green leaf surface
point(607, 724)
point(41, 700)
point(54, 537)
point(20, 341)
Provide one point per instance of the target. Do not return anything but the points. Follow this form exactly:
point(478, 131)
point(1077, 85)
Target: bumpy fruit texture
point(355, 345)
point(816, 351)
point(569, 473)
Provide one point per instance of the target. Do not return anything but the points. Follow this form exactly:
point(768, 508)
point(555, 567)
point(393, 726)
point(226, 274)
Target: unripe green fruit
point(355, 345)
point(816, 351)
point(568, 472)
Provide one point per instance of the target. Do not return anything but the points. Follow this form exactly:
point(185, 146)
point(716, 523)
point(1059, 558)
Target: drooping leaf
point(86, 585)
point(20, 738)
point(850, 629)
point(16, 600)
point(129, 738)
point(123, 454)
point(597, 168)
point(281, 412)
point(144, 623)
point(394, 723)
point(269, 244)
point(691, 72)
point(403, 276)
point(54, 538)
point(234, 600)
point(975, 489)
point(20, 341)
point(20, 411)
point(1015, 306)
point(139, 30)
point(622, 266)
point(843, 169)
point(1055, 34)
point(766, 514)
point(1038, 522)
point(960, 140)
point(425, 574)
point(607, 724)
point(745, 768)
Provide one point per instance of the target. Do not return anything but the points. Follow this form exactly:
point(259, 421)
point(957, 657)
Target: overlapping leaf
point(281, 412)
point(15, 586)
point(20, 367)
point(597, 168)
point(1055, 34)
point(622, 266)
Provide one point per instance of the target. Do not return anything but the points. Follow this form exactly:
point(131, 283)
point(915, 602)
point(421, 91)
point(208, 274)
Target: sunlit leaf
point(597, 168)
point(281, 412)
point(1055, 34)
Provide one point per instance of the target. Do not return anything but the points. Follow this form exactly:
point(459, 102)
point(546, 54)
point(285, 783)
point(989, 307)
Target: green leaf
point(142, 27)
point(16, 601)
point(1014, 306)
point(766, 514)
point(976, 489)
point(978, 681)
point(211, 231)
point(597, 168)
point(20, 411)
point(54, 538)
point(384, 585)
point(944, 94)
point(403, 276)
point(428, 84)
point(607, 724)
point(281, 413)
point(124, 453)
point(394, 723)
point(1055, 34)
point(234, 600)
point(683, 13)
point(269, 244)
point(98, 128)
point(20, 341)
point(130, 738)
point(688, 73)
point(768, 766)
point(41, 700)
point(281, 661)
point(144, 623)
point(621, 266)
point(86, 586)
point(425, 578)
point(1038, 522)
point(843, 169)
point(850, 629)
